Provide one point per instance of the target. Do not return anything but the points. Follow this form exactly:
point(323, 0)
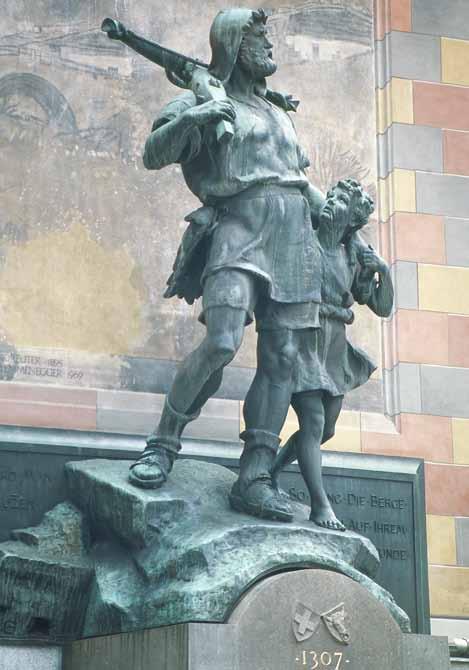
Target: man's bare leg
point(310, 410)
point(198, 377)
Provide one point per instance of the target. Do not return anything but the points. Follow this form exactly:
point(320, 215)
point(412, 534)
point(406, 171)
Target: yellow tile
point(383, 108)
point(290, 426)
point(443, 289)
point(461, 441)
point(347, 433)
point(385, 198)
point(441, 539)
point(455, 61)
point(402, 104)
point(449, 591)
point(403, 190)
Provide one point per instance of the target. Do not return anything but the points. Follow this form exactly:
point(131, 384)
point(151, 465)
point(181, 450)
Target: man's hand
point(211, 111)
point(371, 262)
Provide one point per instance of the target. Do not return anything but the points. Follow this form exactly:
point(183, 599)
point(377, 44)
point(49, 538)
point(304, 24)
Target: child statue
point(328, 365)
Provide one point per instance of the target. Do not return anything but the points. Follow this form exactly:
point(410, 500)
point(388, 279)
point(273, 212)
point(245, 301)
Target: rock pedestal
point(181, 553)
point(304, 620)
point(117, 559)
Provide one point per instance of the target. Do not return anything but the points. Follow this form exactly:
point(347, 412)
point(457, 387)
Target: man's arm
point(177, 138)
point(316, 200)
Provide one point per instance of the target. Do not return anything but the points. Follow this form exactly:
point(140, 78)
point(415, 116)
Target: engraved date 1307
point(317, 660)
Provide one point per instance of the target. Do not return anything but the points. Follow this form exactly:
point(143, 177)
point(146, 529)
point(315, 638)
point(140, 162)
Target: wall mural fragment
point(87, 235)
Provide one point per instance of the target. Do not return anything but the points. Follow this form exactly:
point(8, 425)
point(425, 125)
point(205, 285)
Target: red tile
point(419, 238)
point(446, 489)
point(401, 15)
point(441, 105)
point(41, 393)
point(456, 152)
point(381, 18)
point(421, 436)
point(422, 337)
point(47, 415)
point(458, 338)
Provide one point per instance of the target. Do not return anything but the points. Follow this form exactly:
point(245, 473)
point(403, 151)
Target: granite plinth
point(302, 619)
point(180, 553)
point(26, 657)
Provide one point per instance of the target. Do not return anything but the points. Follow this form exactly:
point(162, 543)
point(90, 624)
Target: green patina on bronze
point(265, 244)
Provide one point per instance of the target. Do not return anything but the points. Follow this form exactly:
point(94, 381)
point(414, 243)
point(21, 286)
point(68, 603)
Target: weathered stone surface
point(45, 579)
point(285, 621)
point(191, 556)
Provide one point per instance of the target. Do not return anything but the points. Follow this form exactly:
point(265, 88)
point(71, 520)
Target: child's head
point(348, 206)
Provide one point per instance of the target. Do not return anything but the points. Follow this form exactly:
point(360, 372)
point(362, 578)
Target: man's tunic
point(255, 182)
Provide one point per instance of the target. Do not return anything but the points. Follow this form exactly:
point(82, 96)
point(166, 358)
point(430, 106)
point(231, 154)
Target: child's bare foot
point(323, 515)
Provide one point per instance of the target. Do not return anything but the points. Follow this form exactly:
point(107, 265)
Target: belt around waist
point(259, 191)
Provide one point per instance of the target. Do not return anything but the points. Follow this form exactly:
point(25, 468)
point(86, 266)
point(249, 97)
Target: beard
point(256, 62)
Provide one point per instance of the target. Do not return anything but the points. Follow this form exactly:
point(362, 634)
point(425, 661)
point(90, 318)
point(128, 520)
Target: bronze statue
point(328, 365)
point(251, 250)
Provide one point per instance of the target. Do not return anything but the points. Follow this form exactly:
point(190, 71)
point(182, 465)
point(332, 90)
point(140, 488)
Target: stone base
point(181, 554)
point(30, 657)
point(302, 619)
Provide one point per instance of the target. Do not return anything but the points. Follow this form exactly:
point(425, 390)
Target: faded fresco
point(87, 235)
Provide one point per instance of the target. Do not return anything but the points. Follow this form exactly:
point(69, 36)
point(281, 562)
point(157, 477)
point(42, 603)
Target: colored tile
point(400, 15)
point(47, 415)
point(382, 62)
point(435, 17)
point(50, 394)
point(422, 337)
point(443, 289)
point(381, 18)
point(457, 242)
point(443, 194)
point(449, 591)
point(420, 436)
point(456, 152)
point(347, 433)
point(462, 541)
point(460, 428)
point(441, 539)
point(404, 275)
point(446, 489)
point(415, 56)
point(384, 198)
point(455, 61)
point(441, 105)
point(402, 106)
point(403, 187)
point(445, 391)
point(419, 237)
point(383, 107)
point(458, 337)
point(416, 147)
point(408, 380)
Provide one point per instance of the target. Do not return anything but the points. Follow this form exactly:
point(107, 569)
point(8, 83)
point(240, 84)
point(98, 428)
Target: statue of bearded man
point(259, 256)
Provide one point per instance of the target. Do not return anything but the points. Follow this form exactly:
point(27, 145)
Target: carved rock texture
point(46, 578)
point(181, 554)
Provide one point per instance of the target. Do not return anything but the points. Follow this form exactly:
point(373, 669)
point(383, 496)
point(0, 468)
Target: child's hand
point(371, 262)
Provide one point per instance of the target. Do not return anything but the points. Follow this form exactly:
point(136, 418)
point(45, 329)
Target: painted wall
point(88, 236)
